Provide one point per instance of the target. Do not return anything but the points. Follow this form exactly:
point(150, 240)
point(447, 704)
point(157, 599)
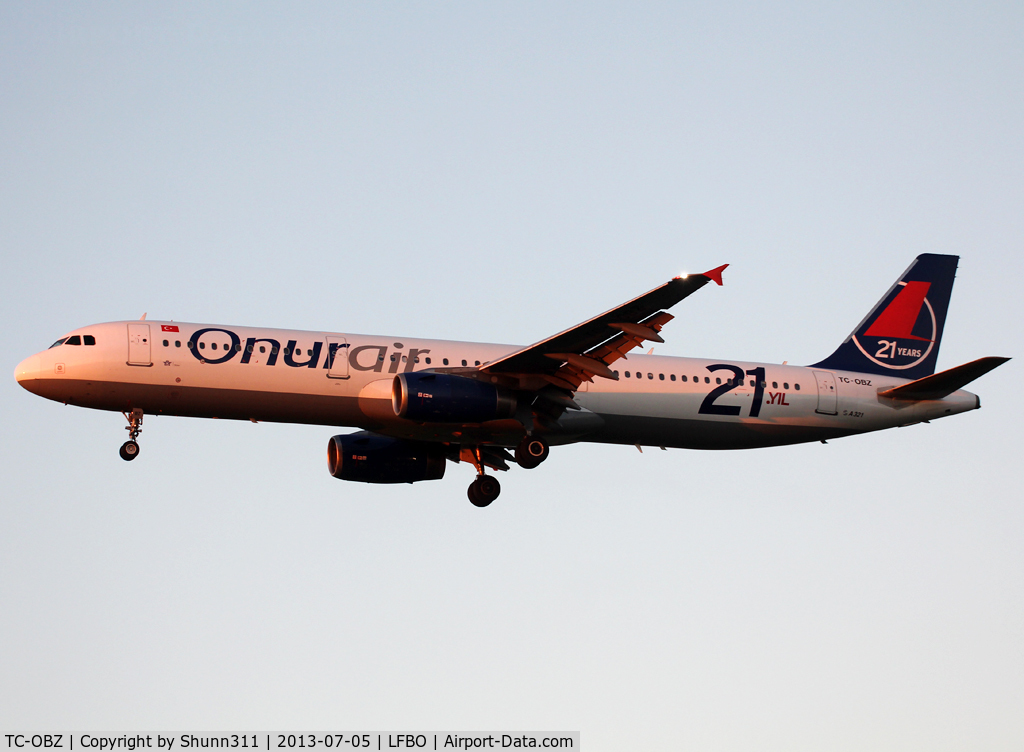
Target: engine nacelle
point(369, 458)
point(445, 398)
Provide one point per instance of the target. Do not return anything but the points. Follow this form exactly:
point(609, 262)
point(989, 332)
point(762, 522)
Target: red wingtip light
point(716, 274)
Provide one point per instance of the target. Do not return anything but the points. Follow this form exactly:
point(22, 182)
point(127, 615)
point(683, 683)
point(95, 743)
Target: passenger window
point(428, 361)
point(166, 343)
point(661, 376)
point(650, 375)
point(616, 374)
point(751, 382)
point(476, 362)
point(683, 377)
point(464, 362)
point(785, 385)
point(718, 381)
point(213, 345)
point(627, 374)
point(445, 361)
point(672, 376)
point(775, 385)
point(202, 345)
point(797, 387)
point(263, 349)
point(273, 350)
point(76, 340)
point(177, 343)
point(89, 339)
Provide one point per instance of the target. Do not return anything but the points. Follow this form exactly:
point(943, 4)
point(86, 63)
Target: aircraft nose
point(27, 370)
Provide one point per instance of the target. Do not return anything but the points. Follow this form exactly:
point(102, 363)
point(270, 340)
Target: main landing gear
point(531, 451)
point(130, 449)
point(484, 490)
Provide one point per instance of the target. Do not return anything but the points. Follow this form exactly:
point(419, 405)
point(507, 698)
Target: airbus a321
point(423, 403)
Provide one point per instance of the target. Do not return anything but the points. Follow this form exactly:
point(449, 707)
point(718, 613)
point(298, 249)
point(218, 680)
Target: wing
point(578, 354)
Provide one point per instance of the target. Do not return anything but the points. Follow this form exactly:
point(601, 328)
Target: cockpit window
point(58, 343)
point(88, 339)
point(76, 340)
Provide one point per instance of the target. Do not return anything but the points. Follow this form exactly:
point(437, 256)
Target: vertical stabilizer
point(901, 334)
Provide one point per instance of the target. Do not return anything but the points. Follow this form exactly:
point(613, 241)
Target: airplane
point(421, 403)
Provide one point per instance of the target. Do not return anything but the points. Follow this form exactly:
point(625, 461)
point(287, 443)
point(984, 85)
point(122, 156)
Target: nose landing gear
point(130, 449)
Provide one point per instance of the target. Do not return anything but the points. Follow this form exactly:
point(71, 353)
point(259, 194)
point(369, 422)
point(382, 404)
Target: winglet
point(715, 275)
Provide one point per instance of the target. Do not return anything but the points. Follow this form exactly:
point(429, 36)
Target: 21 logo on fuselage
point(890, 340)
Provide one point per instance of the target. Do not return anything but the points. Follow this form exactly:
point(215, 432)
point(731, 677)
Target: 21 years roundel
point(903, 334)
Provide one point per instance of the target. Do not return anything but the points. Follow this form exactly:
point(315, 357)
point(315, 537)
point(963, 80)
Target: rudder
point(901, 335)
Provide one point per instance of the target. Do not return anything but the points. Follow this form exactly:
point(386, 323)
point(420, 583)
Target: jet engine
point(369, 458)
point(445, 398)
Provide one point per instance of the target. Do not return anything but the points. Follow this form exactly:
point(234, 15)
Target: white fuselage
point(340, 379)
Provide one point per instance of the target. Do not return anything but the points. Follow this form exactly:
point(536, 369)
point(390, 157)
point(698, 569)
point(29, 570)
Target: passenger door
point(826, 392)
point(139, 345)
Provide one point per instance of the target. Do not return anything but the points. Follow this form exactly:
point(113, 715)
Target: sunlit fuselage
point(338, 379)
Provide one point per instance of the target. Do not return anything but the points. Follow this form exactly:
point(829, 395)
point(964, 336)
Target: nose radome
point(27, 370)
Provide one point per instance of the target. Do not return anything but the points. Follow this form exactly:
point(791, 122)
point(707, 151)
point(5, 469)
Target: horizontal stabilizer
point(944, 383)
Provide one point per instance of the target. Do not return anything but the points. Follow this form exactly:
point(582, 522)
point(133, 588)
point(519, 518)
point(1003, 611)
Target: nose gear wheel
point(130, 449)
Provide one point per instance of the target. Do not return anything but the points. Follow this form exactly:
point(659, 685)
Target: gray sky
point(499, 172)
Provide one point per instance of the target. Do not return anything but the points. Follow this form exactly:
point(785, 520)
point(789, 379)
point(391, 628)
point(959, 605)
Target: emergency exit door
point(337, 358)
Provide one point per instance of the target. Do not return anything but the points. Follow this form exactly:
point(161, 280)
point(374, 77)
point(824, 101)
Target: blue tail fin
point(901, 335)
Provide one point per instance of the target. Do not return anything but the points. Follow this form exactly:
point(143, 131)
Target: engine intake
point(444, 398)
point(369, 458)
